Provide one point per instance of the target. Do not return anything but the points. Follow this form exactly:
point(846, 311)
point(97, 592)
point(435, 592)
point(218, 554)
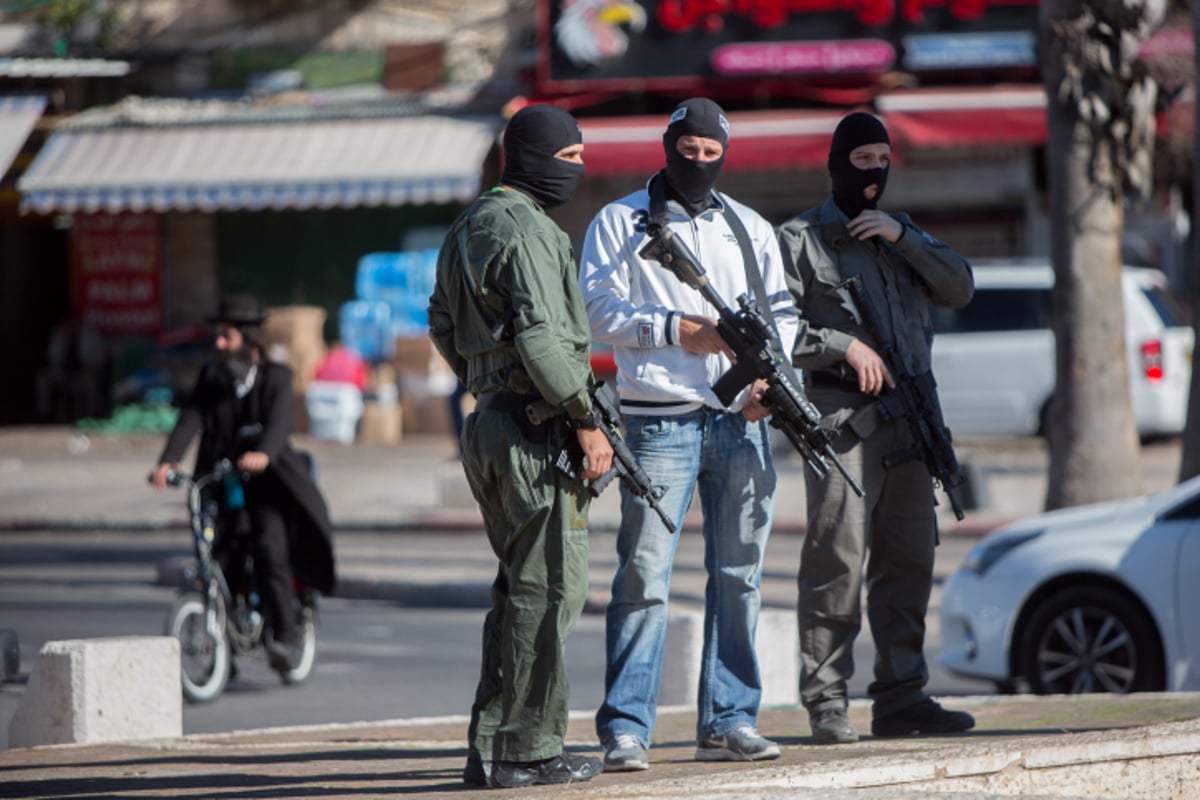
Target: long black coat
point(214, 412)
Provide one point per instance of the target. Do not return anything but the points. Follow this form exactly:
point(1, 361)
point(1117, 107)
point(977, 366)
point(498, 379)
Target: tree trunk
point(1189, 466)
point(1094, 448)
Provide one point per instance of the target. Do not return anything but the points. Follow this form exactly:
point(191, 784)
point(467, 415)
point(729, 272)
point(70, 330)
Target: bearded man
point(242, 407)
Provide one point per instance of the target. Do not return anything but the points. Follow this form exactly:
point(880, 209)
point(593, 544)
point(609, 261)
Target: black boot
point(560, 769)
point(923, 717)
point(477, 772)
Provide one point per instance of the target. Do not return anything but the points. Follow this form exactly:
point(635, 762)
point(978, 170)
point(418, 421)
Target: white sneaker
point(625, 754)
point(740, 744)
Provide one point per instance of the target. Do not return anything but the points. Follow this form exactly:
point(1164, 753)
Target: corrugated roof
point(323, 164)
point(18, 115)
point(361, 102)
point(63, 68)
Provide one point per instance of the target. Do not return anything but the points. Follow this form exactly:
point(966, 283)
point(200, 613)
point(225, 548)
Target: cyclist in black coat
point(242, 407)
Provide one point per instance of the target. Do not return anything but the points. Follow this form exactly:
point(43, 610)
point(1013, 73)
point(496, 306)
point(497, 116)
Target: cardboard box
point(295, 336)
point(425, 413)
point(383, 379)
point(295, 325)
point(413, 355)
point(381, 423)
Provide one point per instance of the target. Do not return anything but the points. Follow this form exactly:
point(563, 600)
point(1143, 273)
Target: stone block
point(101, 690)
point(777, 645)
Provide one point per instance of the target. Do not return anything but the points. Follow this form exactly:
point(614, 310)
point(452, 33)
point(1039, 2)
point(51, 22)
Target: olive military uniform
point(507, 315)
point(895, 520)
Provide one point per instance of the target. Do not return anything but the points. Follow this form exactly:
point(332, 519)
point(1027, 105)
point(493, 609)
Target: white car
point(1099, 598)
point(994, 359)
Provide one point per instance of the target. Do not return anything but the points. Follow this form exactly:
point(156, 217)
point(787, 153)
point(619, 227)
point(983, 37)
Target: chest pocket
point(830, 270)
point(915, 299)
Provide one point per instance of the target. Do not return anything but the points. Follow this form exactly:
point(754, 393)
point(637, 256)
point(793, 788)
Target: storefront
point(955, 83)
point(167, 204)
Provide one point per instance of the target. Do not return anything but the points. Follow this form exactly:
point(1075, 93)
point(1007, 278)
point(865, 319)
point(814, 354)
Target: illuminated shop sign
point(663, 43)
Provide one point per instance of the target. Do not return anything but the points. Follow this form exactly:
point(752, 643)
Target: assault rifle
point(625, 464)
point(608, 405)
point(915, 399)
point(752, 339)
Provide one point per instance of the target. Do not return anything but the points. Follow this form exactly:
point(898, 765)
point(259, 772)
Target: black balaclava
point(849, 181)
point(691, 182)
point(533, 136)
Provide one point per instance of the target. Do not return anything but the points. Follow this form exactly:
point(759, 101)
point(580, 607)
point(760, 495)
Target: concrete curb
point(415, 524)
point(1148, 762)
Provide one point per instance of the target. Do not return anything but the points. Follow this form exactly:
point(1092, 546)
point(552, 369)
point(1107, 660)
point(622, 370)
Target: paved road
point(66, 585)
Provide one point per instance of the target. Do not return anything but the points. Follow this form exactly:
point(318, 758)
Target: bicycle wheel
point(308, 653)
point(203, 647)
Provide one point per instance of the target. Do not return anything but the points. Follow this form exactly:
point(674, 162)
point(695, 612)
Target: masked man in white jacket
point(668, 355)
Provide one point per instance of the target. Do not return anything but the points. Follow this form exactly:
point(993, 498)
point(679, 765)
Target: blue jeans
point(729, 460)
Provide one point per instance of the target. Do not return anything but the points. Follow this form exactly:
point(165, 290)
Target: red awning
point(759, 140)
point(1001, 115)
point(772, 140)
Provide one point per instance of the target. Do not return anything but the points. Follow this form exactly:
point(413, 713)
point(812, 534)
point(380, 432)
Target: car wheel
point(1091, 639)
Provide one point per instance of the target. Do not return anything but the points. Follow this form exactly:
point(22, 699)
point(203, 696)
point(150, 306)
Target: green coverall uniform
point(506, 266)
point(895, 521)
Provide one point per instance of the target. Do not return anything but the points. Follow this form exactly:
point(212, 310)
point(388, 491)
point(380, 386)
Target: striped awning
point(326, 163)
point(18, 115)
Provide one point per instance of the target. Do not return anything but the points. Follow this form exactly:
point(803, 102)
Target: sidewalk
point(1096, 747)
point(418, 484)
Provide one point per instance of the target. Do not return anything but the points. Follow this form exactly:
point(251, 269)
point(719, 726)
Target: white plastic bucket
point(334, 410)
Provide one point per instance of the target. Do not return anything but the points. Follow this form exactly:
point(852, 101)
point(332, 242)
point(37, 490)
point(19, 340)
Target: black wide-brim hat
point(238, 309)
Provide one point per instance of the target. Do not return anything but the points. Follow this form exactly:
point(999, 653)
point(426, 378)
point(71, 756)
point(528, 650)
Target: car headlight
point(986, 553)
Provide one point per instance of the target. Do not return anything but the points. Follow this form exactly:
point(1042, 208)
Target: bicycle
point(214, 618)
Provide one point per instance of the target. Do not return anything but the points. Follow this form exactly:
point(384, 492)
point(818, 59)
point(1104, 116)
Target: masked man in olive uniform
point(902, 270)
point(506, 314)
point(243, 409)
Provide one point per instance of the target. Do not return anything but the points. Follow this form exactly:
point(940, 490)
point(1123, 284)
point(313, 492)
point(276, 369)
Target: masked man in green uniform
point(507, 315)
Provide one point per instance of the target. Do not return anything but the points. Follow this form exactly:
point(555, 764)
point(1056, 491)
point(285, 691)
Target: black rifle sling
point(658, 201)
point(754, 279)
point(660, 216)
point(753, 275)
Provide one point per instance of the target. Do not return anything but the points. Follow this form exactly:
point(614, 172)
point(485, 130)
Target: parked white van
point(994, 359)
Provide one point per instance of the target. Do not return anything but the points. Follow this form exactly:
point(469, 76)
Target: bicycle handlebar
point(219, 471)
